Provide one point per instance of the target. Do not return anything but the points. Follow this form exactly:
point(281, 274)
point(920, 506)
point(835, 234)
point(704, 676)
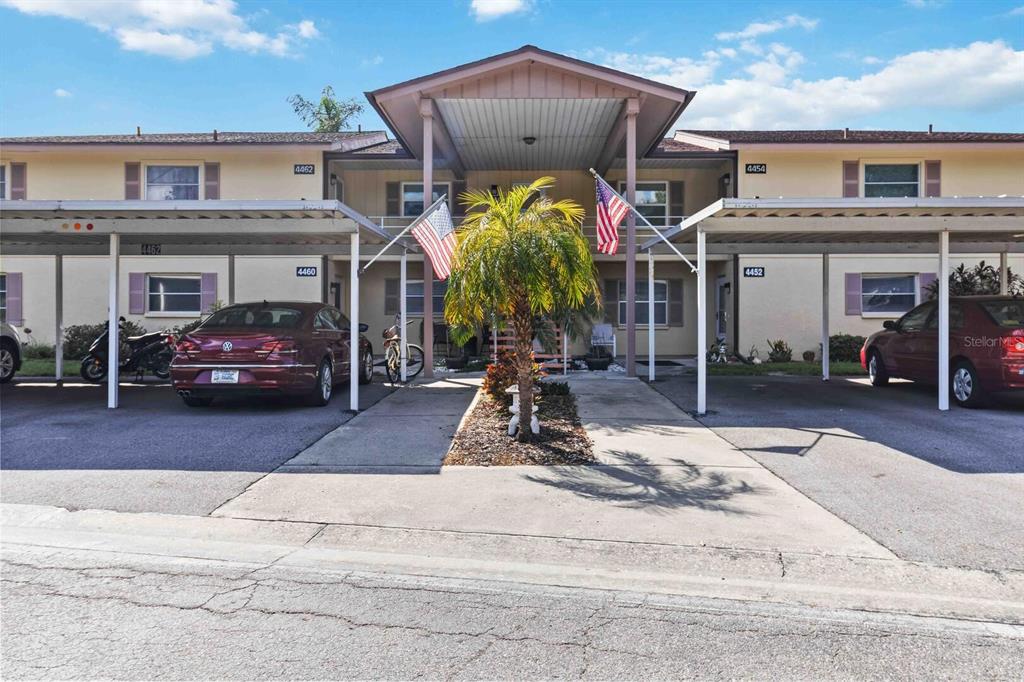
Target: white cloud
point(180, 29)
point(871, 60)
point(375, 60)
point(486, 10)
point(759, 28)
point(925, 4)
point(1016, 11)
point(61, 92)
point(768, 94)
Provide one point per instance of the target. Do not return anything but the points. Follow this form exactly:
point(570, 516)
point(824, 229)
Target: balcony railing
point(395, 224)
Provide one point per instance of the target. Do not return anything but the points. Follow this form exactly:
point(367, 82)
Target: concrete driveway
point(62, 447)
point(946, 487)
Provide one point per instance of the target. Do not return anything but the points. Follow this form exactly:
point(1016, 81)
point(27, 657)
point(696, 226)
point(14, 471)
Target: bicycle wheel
point(391, 365)
point(414, 364)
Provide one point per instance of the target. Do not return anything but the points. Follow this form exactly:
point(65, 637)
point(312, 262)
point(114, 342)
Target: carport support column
point(353, 309)
point(58, 285)
point(702, 322)
point(427, 113)
point(632, 109)
point(824, 317)
point(650, 315)
point(403, 349)
point(944, 320)
point(114, 329)
point(1004, 273)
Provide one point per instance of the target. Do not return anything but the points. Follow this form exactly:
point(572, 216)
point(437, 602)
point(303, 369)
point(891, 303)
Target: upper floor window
point(172, 182)
point(888, 293)
point(891, 180)
point(178, 294)
point(651, 200)
point(412, 197)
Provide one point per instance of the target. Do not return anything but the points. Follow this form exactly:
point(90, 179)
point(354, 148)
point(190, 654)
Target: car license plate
point(225, 376)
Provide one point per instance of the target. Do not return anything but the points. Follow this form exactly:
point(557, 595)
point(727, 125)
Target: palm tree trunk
point(522, 327)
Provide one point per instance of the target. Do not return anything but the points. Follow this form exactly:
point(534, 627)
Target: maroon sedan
point(986, 347)
point(268, 348)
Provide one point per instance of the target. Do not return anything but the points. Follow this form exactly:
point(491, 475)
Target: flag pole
point(421, 218)
point(693, 268)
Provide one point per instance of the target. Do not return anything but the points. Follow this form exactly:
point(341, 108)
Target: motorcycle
point(150, 352)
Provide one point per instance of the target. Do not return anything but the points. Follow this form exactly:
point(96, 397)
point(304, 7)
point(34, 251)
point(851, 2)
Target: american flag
point(436, 235)
point(610, 212)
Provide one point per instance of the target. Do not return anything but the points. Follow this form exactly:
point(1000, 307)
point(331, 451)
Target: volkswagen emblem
point(227, 346)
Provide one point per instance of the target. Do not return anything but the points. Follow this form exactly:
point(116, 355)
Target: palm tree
point(519, 255)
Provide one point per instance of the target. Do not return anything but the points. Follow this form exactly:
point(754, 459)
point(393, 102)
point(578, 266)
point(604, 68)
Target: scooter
point(152, 352)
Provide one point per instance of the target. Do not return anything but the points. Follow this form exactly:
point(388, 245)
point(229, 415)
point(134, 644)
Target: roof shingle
point(197, 138)
point(852, 136)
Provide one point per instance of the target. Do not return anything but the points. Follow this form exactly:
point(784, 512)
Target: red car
point(986, 347)
point(268, 348)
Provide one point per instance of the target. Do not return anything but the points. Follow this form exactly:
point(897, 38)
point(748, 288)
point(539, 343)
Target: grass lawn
point(45, 367)
point(838, 369)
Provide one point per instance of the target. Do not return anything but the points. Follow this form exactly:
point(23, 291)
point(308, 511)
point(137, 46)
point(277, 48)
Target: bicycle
point(393, 354)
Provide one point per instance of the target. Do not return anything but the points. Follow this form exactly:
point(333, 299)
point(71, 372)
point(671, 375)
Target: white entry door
point(722, 290)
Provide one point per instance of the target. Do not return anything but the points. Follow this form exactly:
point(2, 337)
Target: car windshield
point(1006, 313)
point(254, 316)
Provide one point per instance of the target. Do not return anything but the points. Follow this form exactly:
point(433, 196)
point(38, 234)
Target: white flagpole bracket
point(693, 268)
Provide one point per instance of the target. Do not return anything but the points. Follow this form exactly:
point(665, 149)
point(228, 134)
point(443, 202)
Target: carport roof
point(855, 225)
point(48, 224)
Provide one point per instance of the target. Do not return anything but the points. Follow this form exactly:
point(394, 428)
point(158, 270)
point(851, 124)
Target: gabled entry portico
point(535, 110)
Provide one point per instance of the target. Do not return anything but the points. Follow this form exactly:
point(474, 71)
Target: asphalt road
point(945, 488)
point(87, 615)
point(62, 447)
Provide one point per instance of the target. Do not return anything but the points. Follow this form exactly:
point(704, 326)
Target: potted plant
point(598, 358)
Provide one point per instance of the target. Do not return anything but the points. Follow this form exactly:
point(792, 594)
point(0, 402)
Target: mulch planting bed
point(483, 439)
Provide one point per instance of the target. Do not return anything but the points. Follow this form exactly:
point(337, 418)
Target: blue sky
point(105, 66)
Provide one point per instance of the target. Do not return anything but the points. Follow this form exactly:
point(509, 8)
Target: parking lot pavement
point(931, 486)
point(62, 447)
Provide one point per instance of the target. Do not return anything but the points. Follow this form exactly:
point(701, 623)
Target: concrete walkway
point(662, 478)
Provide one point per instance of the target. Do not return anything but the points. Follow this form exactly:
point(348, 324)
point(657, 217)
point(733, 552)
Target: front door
point(722, 290)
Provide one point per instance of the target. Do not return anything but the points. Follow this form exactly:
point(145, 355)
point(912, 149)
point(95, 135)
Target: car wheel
point(323, 388)
point(196, 401)
point(366, 368)
point(876, 369)
point(6, 364)
point(963, 384)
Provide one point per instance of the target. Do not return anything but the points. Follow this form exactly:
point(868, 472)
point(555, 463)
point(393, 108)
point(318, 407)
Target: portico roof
point(573, 110)
point(855, 225)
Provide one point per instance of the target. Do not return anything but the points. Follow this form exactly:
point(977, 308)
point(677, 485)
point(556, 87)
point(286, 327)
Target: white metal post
point(353, 310)
point(427, 113)
point(702, 322)
point(403, 349)
point(632, 109)
point(824, 318)
point(1004, 273)
point(650, 315)
point(944, 320)
point(565, 349)
point(494, 339)
point(58, 269)
point(113, 330)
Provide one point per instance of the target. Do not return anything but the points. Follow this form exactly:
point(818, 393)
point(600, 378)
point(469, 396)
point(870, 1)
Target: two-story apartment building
point(500, 121)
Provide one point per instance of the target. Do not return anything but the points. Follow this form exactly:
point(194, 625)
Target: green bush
point(779, 351)
point(78, 337)
point(554, 387)
point(38, 351)
point(503, 374)
point(844, 348)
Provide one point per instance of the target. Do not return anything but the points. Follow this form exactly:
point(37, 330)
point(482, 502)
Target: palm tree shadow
point(634, 483)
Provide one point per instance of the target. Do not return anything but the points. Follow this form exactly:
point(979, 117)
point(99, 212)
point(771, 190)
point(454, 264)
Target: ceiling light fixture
point(529, 139)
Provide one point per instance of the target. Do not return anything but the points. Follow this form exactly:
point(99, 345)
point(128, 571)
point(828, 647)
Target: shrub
point(78, 337)
point(779, 351)
point(809, 355)
point(554, 387)
point(39, 351)
point(844, 348)
point(979, 280)
point(502, 374)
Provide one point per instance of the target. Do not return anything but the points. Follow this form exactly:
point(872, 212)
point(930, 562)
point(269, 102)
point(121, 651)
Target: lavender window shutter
point(132, 181)
point(853, 293)
point(211, 174)
point(207, 291)
point(137, 293)
point(851, 179)
point(933, 178)
point(19, 181)
point(925, 280)
point(14, 298)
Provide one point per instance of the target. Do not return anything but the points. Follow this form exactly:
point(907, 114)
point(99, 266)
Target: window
point(255, 315)
point(3, 298)
point(660, 302)
point(414, 297)
point(651, 200)
point(172, 182)
point(916, 319)
point(412, 197)
point(178, 294)
point(891, 179)
point(888, 293)
point(324, 320)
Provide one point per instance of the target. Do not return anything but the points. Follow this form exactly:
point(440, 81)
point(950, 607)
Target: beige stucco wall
point(98, 173)
point(273, 278)
point(786, 302)
point(809, 173)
